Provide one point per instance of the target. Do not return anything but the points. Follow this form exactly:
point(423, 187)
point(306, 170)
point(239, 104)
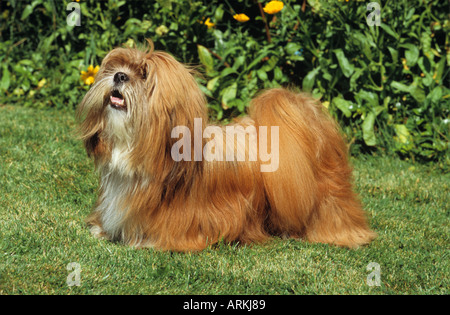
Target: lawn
point(48, 186)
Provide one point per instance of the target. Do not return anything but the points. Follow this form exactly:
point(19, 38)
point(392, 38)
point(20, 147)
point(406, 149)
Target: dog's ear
point(90, 114)
point(172, 98)
point(96, 147)
point(91, 144)
point(176, 93)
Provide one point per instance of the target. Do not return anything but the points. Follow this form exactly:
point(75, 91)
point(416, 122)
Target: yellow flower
point(404, 64)
point(209, 23)
point(273, 7)
point(241, 17)
point(88, 77)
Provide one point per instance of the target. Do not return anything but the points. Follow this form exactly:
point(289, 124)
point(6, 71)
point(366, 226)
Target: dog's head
point(137, 98)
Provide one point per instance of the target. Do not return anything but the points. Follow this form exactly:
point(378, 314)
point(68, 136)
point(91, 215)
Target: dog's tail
point(310, 191)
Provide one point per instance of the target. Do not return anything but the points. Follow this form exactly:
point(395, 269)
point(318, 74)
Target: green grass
point(48, 186)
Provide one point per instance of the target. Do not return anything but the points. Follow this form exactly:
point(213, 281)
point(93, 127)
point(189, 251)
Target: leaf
point(205, 58)
point(258, 59)
point(389, 30)
point(212, 83)
point(394, 54)
point(410, 14)
point(400, 86)
point(418, 94)
point(343, 105)
point(227, 71)
point(229, 51)
point(205, 90)
point(277, 74)
point(354, 79)
point(29, 9)
point(291, 48)
point(308, 81)
point(368, 130)
point(47, 42)
point(6, 80)
point(425, 40)
point(218, 14)
point(402, 133)
point(363, 97)
point(411, 54)
point(346, 67)
point(366, 50)
point(26, 62)
point(270, 64)
point(239, 61)
point(424, 65)
point(239, 104)
point(439, 70)
point(229, 94)
point(436, 94)
point(262, 75)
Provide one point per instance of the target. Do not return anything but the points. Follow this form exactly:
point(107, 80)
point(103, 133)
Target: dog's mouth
point(117, 101)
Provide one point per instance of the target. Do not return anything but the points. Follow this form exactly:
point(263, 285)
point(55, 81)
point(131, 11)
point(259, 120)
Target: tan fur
point(147, 199)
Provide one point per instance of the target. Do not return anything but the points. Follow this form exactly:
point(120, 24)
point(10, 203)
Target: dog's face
point(123, 79)
point(120, 91)
point(137, 98)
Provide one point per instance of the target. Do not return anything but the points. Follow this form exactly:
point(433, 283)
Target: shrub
point(387, 85)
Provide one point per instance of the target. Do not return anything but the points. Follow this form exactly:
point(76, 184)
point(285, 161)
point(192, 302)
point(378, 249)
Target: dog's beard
point(118, 122)
point(119, 104)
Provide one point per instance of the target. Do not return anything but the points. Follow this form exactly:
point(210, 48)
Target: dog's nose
point(120, 77)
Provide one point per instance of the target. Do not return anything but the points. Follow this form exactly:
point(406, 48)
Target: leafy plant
point(387, 85)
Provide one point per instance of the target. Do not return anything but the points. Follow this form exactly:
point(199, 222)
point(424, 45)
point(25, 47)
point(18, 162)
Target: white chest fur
point(117, 183)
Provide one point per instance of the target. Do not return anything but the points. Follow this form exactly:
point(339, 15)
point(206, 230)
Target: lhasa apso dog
point(172, 181)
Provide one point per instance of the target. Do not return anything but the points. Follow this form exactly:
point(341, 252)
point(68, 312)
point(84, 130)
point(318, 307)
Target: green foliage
point(387, 85)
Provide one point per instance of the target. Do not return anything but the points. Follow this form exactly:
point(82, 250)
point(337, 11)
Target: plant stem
point(269, 39)
point(226, 64)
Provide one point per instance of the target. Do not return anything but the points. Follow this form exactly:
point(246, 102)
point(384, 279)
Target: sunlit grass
point(48, 186)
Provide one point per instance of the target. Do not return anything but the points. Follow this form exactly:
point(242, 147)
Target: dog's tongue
point(117, 101)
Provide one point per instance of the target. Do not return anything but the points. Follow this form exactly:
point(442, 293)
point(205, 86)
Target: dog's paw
point(97, 232)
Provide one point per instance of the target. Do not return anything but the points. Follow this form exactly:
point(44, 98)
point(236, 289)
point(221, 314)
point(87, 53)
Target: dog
point(167, 192)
